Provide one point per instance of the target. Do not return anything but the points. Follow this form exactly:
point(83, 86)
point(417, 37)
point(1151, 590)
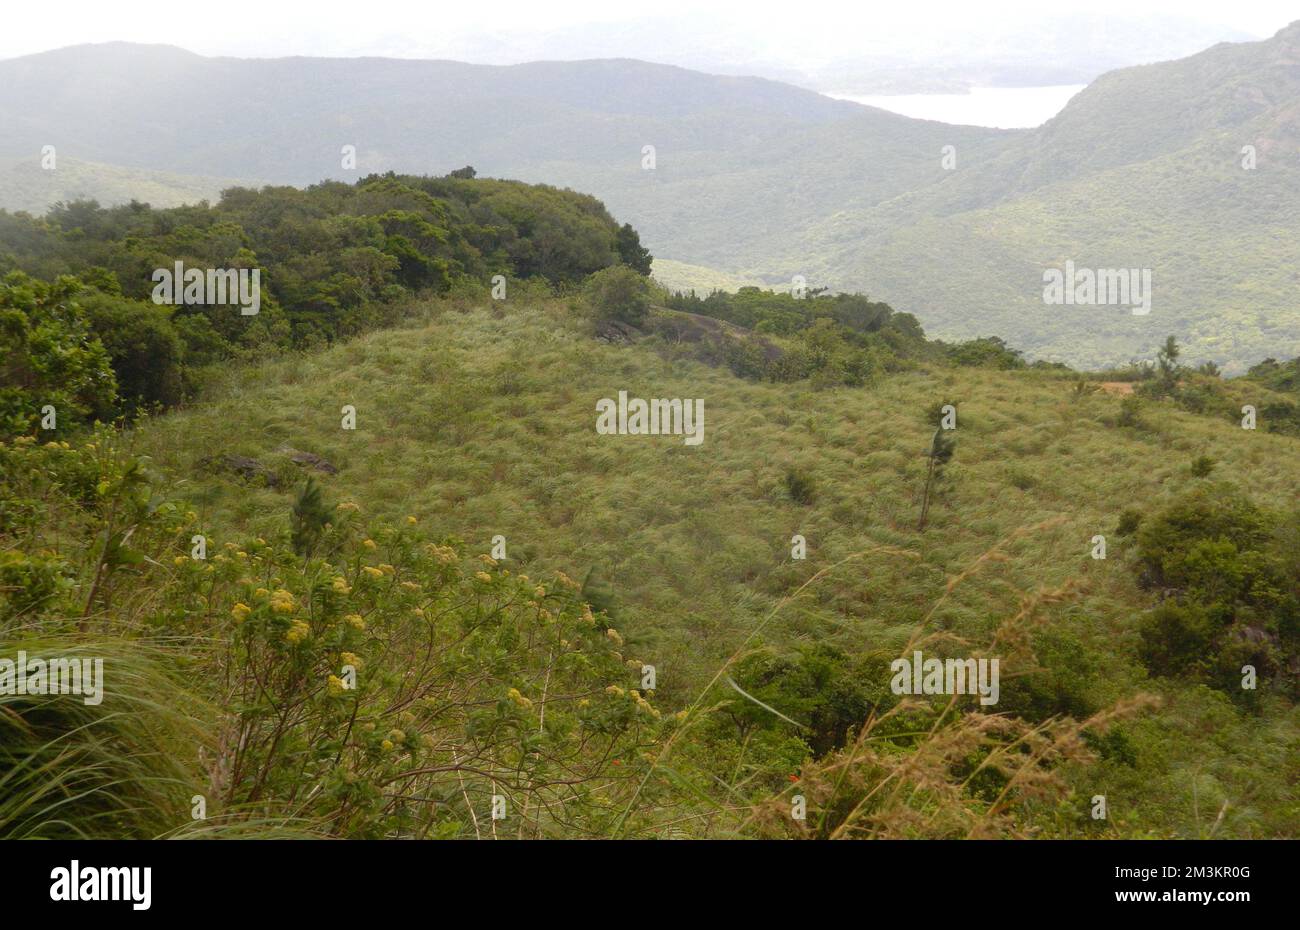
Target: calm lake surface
point(1003, 107)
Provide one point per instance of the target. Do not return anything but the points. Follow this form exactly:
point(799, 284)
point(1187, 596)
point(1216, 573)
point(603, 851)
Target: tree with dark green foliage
point(308, 519)
point(988, 352)
point(630, 251)
point(1168, 370)
point(821, 688)
point(146, 350)
point(50, 357)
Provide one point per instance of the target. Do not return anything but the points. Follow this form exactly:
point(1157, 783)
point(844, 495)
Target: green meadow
point(478, 420)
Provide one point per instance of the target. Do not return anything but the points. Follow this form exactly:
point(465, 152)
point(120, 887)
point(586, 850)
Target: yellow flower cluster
point(372, 571)
point(444, 554)
point(487, 559)
point(348, 506)
point(483, 577)
point(299, 630)
point(519, 699)
point(567, 581)
point(282, 601)
point(643, 704)
point(335, 685)
point(351, 658)
point(356, 620)
point(340, 585)
point(240, 612)
point(614, 636)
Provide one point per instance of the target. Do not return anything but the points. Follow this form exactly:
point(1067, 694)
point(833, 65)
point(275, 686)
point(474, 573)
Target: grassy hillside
point(683, 276)
point(480, 422)
point(1219, 242)
point(24, 185)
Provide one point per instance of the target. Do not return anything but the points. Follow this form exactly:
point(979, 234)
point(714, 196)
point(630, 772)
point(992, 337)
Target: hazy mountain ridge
point(763, 181)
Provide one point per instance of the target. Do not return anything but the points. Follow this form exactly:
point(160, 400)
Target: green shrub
point(618, 294)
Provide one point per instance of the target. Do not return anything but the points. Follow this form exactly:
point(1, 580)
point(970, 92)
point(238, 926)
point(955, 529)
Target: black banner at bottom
point(135, 880)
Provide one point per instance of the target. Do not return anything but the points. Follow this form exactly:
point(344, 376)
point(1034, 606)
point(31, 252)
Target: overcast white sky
point(257, 28)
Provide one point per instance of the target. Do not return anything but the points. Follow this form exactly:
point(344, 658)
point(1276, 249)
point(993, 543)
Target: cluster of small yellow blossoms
point(411, 585)
point(299, 630)
point(351, 658)
point(356, 621)
point(567, 581)
point(282, 601)
point(487, 560)
point(643, 704)
point(335, 685)
point(411, 521)
point(445, 555)
point(587, 616)
point(340, 585)
point(614, 636)
point(369, 544)
point(240, 612)
point(519, 699)
point(483, 577)
point(347, 506)
point(372, 571)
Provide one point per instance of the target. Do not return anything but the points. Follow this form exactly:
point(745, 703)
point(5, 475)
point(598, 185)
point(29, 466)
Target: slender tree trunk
point(925, 497)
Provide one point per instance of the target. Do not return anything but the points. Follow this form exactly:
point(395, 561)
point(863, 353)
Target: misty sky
point(774, 31)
